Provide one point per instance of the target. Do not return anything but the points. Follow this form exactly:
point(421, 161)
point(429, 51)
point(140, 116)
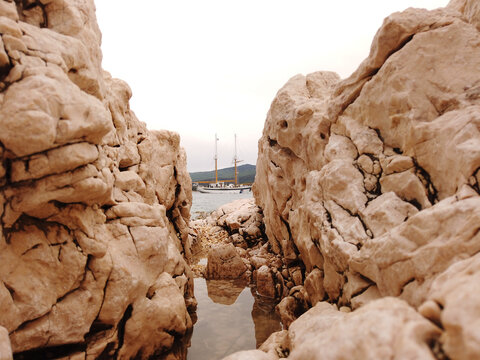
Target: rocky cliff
point(371, 185)
point(94, 207)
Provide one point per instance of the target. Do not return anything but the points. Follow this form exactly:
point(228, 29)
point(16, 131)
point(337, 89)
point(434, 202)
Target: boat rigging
point(217, 186)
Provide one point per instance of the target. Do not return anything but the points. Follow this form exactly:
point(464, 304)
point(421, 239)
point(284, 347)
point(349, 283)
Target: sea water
point(231, 317)
point(206, 203)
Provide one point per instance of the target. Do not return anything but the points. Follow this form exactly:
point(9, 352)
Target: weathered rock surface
point(385, 328)
point(370, 186)
point(225, 263)
point(453, 303)
point(234, 231)
point(94, 207)
point(5, 347)
point(250, 355)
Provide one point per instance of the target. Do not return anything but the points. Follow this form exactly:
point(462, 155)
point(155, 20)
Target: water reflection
point(225, 292)
point(265, 318)
point(230, 318)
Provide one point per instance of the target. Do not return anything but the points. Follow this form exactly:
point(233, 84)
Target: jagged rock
point(340, 147)
point(296, 274)
point(342, 183)
point(165, 303)
point(288, 310)
point(129, 180)
point(292, 306)
point(385, 212)
point(394, 329)
point(55, 161)
point(365, 297)
point(258, 261)
point(224, 263)
point(94, 207)
point(5, 348)
point(325, 333)
point(277, 344)
point(365, 139)
point(397, 163)
point(265, 282)
point(404, 260)
point(350, 228)
point(371, 184)
point(240, 216)
point(244, 253)
point(407, 186)
point(314, 287)
point(458, 315)
point(365, 163)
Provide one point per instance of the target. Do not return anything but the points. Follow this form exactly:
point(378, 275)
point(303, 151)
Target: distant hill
point(245, 174)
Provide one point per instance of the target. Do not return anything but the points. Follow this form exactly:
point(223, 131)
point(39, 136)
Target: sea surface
point(206, 203)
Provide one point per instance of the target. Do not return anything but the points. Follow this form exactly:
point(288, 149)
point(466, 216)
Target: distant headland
point(246, 174)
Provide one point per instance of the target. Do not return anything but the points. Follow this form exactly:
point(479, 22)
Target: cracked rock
point(388, 205)
point(94, 206)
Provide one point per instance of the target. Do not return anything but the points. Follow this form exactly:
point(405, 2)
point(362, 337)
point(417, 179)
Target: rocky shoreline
point(371, 183)
point(233, 242)
point(94, 208)
point(364, 228)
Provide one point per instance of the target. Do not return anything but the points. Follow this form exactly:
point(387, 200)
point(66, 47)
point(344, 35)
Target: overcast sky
point(214, 66)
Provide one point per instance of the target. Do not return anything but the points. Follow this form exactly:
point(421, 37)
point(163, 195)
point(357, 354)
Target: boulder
point(289, 309)
point(458, 315)
point(314, 287)
point(265, 282)
point(385, 212)
point(224, 263)
point(325, 333)
point(5, 348)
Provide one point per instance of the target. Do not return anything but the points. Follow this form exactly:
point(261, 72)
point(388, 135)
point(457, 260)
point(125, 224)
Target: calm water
point(230, 318)
point(230, 315)
point(208, 202)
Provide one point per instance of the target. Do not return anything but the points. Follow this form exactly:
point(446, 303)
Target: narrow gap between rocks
point(236, 282)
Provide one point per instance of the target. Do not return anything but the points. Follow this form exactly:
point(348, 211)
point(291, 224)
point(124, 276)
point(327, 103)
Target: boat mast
point(235, 159)
point(216, 158)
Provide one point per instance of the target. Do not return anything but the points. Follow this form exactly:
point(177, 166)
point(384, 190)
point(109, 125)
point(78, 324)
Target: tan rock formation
point(240, 216)
point(453, 304)
point(265, 282)
point(5, 347)
point(250, 355)
point(94, 207)
point(386, 328)
point(239, 226)
point(224, 262)
point(370, 187)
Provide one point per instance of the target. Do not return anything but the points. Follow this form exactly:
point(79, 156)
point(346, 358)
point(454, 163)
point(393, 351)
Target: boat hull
point(234, 190)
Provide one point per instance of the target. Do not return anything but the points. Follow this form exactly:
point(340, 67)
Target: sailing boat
point(217, 186)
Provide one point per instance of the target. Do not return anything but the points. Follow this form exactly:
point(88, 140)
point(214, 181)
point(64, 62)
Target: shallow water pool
point(230, 318)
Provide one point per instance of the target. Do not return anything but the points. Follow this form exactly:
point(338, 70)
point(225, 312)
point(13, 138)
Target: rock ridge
point(94, 211)
point(370, 185)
